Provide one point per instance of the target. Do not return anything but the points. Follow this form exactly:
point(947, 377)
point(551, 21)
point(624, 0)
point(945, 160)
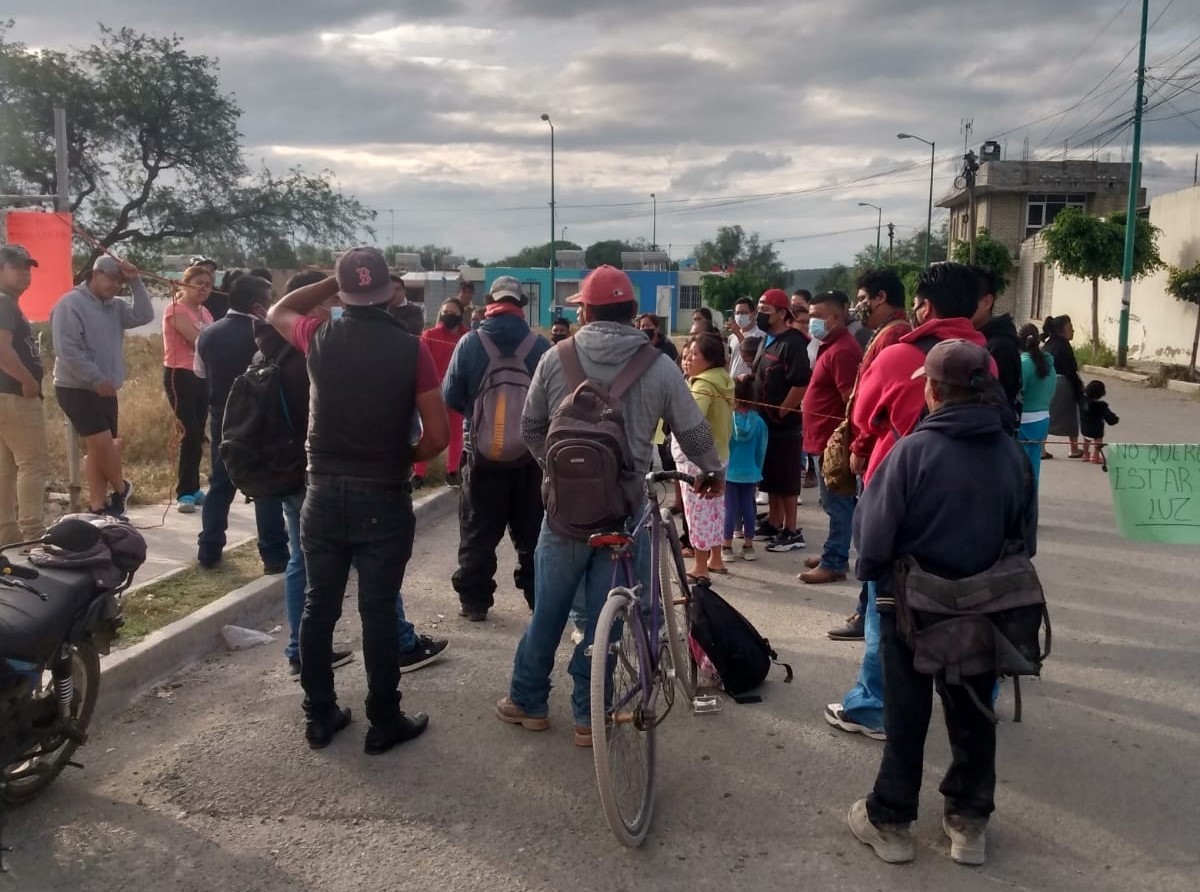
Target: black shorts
point(783, 468)
point(89, 412)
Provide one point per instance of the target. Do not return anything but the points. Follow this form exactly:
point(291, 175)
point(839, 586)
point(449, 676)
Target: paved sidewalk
point(171, 537)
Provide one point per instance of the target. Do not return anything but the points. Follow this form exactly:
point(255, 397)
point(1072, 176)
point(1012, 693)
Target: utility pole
point(654, 225)
point(1134, 181)
point(970, 167)
point(891, 240)
point(546, 118)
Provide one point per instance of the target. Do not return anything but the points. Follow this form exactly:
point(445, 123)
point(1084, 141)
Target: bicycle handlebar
point(670, 477)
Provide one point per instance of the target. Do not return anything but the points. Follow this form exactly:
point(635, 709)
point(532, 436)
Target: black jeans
point(970, 784)
point(491, 501)
point(188, 397)
point(214, 515)
point(349, 522)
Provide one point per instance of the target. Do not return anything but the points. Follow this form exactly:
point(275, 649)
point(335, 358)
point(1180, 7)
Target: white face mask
point(743, 319)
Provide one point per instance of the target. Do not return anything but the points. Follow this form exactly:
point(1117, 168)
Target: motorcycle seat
point(30, 628)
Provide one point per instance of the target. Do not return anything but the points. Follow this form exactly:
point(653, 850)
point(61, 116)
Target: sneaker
point(320, 732)
point(728, 554)
point(507, 711)
point(852, 631)
point(893, 843)
point(275, 569)
point(198, 496)
point(968, 839)
point(762, 499)
point(835, 714)
point(577, 636)
point(766, 532)
point(810, 479)
point(381, 738)
point(453, 479)
point(787, 541)
point(340, 658)
point(186, 505)
point(427, 651)
point(748, 552)
point(473, 616)
point(118, 502)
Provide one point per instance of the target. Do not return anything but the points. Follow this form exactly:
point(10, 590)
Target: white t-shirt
point(737, 365)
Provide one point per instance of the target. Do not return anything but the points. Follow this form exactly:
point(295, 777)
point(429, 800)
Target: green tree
point(838, 277)
point(989, 254)
point(732, 247)
point(1184, 285)
point(722, 292)
point(1089, 247)
point(154, 149)
point(535, 256)
point(609, 251)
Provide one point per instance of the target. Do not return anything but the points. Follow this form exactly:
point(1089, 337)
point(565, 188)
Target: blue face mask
point(816, 328)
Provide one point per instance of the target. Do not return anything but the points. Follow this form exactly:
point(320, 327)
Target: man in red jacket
point(441, 341)
point(888, 403)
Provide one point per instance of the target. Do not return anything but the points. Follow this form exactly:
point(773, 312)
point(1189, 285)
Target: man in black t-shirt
point(781, 373)
point(23, 464)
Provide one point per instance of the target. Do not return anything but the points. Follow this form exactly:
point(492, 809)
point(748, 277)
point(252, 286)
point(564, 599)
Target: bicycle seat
point(31, 628)
point(611, 540)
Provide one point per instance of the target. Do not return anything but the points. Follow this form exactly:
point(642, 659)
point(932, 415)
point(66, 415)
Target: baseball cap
point(507, 287)
point(363, 277)
point(777, 298)
point(604, 286)
point(16, 255)
point(958, 363)
point(108, 265)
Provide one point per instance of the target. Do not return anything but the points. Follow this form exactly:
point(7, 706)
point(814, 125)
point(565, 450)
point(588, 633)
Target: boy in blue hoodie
point(747, 452)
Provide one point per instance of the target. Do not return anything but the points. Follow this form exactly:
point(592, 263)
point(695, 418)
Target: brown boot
point(821, 576)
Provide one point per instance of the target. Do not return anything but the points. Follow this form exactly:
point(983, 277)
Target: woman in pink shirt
point(183, 321)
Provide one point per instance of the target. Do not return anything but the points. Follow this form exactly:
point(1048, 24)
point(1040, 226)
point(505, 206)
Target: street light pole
point(546, 118)
point(563, 237)
point(878, 227)
point(654, 229)
point(932, 162)
point(1131, 211)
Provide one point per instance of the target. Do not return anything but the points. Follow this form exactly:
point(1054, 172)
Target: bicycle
point(640, 652)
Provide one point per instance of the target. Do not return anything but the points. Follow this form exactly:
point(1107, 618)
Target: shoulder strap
point(637, 366)
point(571, 366)
point(525, 347)
point(489, 346)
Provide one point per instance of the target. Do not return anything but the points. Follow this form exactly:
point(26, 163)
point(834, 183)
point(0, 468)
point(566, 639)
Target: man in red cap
point(781, 374)
point(604, 348)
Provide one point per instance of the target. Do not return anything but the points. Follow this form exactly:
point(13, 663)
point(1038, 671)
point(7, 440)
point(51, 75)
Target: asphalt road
point(208, 784)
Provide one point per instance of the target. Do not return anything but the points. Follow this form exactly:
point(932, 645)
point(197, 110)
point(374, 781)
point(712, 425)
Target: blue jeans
point(214, 516)
point(560, 566)
point(840, 510)
point(864, 703)
point(740, 510)
point(1033, 441)
point(295, 580)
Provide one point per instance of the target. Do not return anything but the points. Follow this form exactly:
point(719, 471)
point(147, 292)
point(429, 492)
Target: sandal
point(720, 571)
point(1078, 453)
point(688, 553)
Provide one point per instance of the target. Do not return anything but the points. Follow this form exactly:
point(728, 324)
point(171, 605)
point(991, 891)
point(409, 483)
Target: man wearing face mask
point(824, 407)
point(560, 330)
point(743, 325)
point(781, 373)
point(494, 499)
point(441, 341)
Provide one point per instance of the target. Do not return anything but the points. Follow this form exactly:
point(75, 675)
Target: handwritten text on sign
point(1156, 491)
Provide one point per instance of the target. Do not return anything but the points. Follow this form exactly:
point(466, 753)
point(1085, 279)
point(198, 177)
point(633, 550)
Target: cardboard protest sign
point(1156, 491)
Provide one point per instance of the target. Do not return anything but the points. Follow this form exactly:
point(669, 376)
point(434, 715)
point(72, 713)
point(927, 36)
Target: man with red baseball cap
point(781, 373)
point(604, 347)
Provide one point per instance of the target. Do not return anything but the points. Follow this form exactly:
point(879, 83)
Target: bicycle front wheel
point(622, 719)
point(676, 604)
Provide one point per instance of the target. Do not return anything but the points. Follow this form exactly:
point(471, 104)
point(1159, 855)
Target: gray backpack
point(496, 439)
point(590, 485)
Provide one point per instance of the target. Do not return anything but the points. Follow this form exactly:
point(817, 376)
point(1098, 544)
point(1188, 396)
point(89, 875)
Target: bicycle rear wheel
point(676, 602)
point(622, 721)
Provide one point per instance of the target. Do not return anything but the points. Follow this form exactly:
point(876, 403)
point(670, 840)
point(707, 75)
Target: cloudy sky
point(780, 116)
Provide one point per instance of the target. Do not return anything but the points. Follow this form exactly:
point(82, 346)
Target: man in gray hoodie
point(88, 325)
point(606, 344)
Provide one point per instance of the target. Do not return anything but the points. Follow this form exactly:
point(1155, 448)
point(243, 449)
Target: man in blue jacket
point(493, 498)
point(950, 494)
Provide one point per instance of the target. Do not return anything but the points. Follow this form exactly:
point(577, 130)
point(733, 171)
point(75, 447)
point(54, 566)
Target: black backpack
point(263, 450)
point(741, 656)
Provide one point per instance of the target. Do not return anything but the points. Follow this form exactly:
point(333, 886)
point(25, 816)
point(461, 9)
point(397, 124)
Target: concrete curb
point(1183, 387)
point(128, 673)
point(1120, 375)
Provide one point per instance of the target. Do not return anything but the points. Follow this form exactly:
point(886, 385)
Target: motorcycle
point(59, 611)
